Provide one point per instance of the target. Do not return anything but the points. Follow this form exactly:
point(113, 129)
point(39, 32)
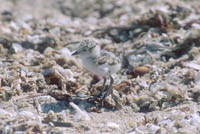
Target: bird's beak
point(75, 53)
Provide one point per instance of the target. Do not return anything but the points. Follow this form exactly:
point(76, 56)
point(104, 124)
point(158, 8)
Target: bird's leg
point(91, 84)
point(103, 87)
point(107, 93)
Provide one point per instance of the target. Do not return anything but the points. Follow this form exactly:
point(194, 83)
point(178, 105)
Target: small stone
point(141, 70)
point(16, 48)
point(112, 125)
point(80, 114)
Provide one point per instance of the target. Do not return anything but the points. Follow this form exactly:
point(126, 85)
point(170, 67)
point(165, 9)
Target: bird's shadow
point(56, 107)
point(83, 103)
point(61, 105)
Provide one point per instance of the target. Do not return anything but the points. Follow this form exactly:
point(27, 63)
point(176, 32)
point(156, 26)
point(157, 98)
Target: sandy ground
point(43, 89)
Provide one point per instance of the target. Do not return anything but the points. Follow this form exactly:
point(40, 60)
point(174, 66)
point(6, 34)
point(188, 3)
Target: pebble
point(80, 114)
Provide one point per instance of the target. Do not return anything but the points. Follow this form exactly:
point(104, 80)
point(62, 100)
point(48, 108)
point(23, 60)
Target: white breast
point(102, 70)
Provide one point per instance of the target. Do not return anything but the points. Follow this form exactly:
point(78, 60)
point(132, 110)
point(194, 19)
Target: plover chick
point(99, 62)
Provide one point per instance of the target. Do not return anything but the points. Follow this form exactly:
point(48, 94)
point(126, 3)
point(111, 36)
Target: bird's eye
point(84, 50)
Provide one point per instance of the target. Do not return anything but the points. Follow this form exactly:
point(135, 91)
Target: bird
point(100, 62)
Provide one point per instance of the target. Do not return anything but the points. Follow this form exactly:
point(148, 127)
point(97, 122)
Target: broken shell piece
point(5, 93)
point(16, 48)
point(28, 115)
point(141, 70)
point(61, 77)
point(51, 116)
point(138, 71)
point(124, 87)
point(112, 125)
point(80, 114)
point(5, 114)
point(58, 71)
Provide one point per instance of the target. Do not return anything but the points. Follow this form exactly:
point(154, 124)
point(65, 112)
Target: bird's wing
point(107, 58)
